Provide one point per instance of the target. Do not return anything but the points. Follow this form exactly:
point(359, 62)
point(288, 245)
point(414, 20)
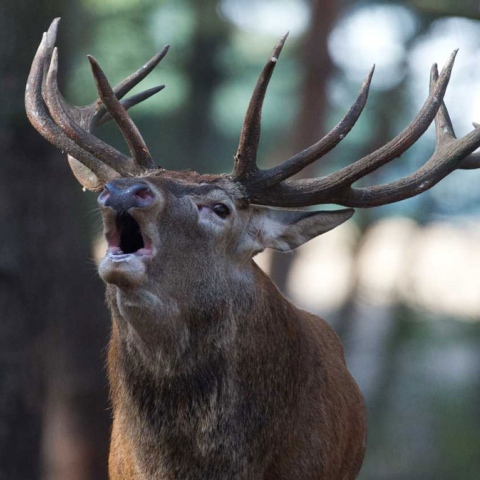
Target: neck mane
point(191, 382)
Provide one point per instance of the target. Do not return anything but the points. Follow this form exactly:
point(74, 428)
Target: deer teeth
point(120, 257)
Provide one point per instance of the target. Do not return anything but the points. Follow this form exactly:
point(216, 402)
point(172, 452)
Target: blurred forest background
point(399, 283)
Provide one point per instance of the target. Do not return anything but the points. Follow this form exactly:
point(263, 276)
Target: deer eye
point(221, 210)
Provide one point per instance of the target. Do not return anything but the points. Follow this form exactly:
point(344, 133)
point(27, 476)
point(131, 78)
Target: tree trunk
point(53, 325)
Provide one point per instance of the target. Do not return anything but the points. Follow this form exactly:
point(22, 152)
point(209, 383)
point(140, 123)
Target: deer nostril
point(104, 195)
point(142, 192)
point(123, 194)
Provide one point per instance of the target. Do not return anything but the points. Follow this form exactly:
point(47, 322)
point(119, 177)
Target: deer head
point(206, 228)
point(148, 211)
point(231, 211)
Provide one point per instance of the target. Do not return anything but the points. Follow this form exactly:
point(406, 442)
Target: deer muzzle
point(126, 205)
point(125, 193)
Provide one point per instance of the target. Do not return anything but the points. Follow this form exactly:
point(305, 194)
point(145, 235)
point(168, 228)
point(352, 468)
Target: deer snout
point(125, 193)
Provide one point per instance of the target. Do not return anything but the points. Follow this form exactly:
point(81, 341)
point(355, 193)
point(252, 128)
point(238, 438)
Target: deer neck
point(170, 325)
point(190, 386)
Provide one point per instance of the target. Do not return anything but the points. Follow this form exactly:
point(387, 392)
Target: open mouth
point(127, 239)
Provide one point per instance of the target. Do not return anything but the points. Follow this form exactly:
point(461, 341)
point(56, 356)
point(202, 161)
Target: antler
point(69, 127)
point(273, 186)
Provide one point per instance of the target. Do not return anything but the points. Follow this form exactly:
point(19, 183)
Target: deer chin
point(125, 269)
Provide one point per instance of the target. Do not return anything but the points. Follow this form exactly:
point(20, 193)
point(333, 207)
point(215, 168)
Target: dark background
point(399, 283)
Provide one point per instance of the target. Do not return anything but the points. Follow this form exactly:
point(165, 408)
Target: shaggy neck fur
point(183, 379)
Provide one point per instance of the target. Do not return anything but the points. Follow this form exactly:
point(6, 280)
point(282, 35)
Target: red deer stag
point(213, 373)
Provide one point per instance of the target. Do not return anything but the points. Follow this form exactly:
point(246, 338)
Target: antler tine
point(85, 140)
point(246, 156)
point(299, 161)
point(68, 127)
point(449, 154)
point(445, 132)
point(130, 132)
point(51, 38)
point(135, 78)
point(403, 141)
point(471, 162)
point(130, 82)
point(95, 114)
point(443, 125)
point(131, 102)
point(336, 187)
point(428, 175)
point(41, 120)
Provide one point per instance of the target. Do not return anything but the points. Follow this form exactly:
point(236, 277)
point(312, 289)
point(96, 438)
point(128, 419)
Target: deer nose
point(124, 193)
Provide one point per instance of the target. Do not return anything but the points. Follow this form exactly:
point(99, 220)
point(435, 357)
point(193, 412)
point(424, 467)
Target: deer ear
point(285, 230)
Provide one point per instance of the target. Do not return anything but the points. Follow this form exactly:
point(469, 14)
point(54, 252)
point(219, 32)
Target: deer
point(213, 373)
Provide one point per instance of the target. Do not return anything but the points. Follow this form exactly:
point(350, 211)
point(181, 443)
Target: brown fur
point(214, 374)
